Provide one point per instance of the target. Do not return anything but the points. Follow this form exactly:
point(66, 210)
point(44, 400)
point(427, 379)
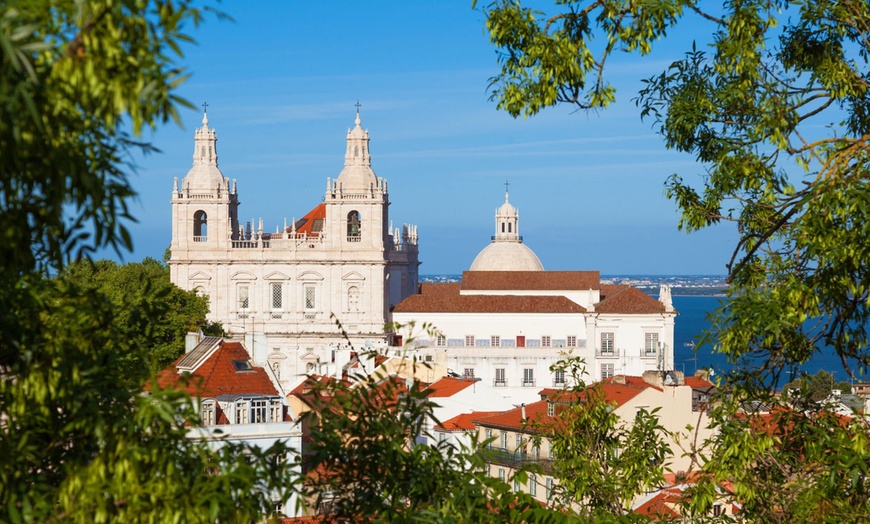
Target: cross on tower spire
point(506, 186)
point(358, 105)
point(205, 107)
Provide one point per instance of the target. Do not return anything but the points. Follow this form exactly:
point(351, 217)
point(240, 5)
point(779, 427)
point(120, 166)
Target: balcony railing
point(528, 383)
point(607, 353)
point(499, 383)
point(514, 459)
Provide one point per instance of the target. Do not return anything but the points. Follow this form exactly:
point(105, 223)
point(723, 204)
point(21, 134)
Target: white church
point(508, 321)
point(284, 292)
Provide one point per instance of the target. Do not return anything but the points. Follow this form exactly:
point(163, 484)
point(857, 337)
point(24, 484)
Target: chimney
point(191, 340)
point(523, 407)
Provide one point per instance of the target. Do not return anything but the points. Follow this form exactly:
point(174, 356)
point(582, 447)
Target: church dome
point(507, 256)
point(507, 251)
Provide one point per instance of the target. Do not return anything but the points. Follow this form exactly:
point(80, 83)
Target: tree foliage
point(775, 109)
point(601, 462)
point(79, 443)
point(154, 313)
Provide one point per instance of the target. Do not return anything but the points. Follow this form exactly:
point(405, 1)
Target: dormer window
point(207, 413)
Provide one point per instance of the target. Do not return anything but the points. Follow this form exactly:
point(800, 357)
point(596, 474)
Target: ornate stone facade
point(285, 292)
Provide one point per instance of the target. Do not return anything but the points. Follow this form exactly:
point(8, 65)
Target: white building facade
point(285, 291)
point(508, 321)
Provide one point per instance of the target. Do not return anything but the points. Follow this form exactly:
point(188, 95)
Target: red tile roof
point(464, 421)
point(698, 383)
point(629, 380)
point(625, 299)
point(444, 302)
point(449, 386)
point(217, 375)
point(530, 280)
point(312, 223)
point(660, 506)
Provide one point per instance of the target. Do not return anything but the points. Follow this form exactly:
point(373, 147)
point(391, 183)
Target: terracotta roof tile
point(448, 386)
point(698, 383)
point(625, 299)
point(312, 223)
point(530, 280)
point(464, 421)
point(455, 303)
point(218, 375)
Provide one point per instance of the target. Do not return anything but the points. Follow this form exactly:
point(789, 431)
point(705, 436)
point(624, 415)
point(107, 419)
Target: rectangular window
point(277, 296)
point(468, 373)
point(504, 438)
point(519, 442)
point(310, 297)
point(545, 341)
point(528, 377)
point(572, 341)
point(244, 297)
point(488, 437)
point(533, 486)
point(606, 371)
point(499, 377)
point(276, 411)
point(651, 343)
point(442, 436)
point(258, 411)
point(241, 412)
point(469, 341)
point(607, 342)
point(495, 341)
point(517, 486)
point(549, 490)
point(551, 410)
point(559, 377)
point(207, 414)
point(441, 341)
point(501, 474)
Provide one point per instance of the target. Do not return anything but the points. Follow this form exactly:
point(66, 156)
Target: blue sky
point(281, 82)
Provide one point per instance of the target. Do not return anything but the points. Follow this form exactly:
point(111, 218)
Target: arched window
point(353, 226)
point(200, 226)
point(509, 227)
point(502, 227)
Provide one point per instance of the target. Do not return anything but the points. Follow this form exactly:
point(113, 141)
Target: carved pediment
point(353, 275)
point(243, 275)
point(276, 275)
point(199, 276)
point(310, 276)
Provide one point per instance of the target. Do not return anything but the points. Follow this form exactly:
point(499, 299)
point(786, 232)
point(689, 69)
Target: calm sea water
point(693, 320)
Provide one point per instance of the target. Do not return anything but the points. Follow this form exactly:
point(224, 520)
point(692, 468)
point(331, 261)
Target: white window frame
point(650, 343)
point(559, 376)
point(495, 341)
point(468, 373)
point(276, 411)
point(440, 340)
point(528, 377)
point(504, 439)
point(208, 413)
point(571, 341)
point(533, 485)
point(259, 410)
point(607, 342)
point(546, 341)
point(469, 341)
point(500, 375)
point(242, 408)
point(607, 370)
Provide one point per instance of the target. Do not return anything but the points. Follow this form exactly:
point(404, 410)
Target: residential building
point(237, 400)
point(519, 436)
